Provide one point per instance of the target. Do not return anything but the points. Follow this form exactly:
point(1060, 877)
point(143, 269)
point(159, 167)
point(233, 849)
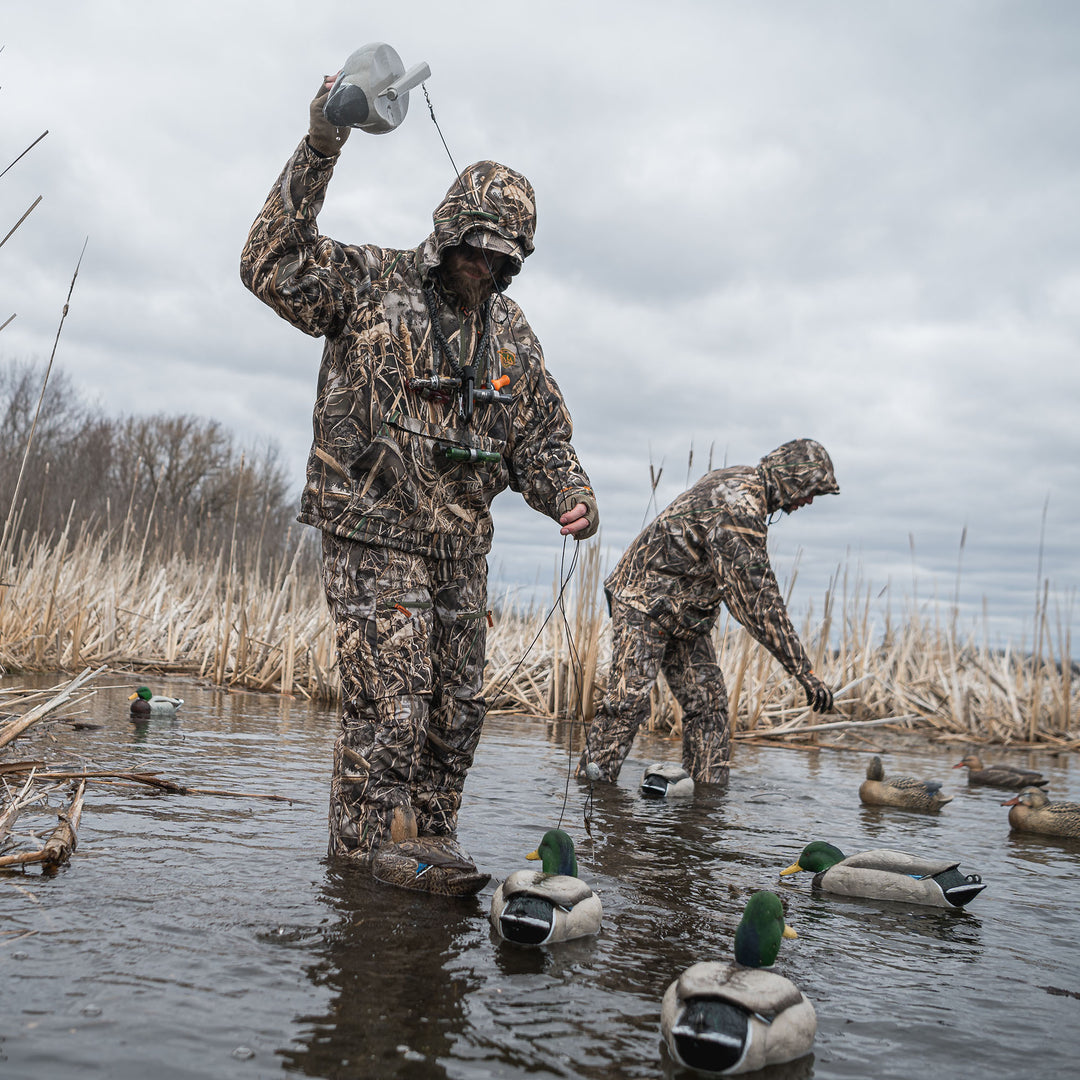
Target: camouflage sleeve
point(306, 278)
point(543, 464)
point(753, 597)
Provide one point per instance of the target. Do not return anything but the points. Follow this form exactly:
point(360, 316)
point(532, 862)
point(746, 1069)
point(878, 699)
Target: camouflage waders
point(411, 634)
point(640, 650)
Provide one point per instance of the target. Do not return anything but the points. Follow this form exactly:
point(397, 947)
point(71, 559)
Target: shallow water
point(206, 936)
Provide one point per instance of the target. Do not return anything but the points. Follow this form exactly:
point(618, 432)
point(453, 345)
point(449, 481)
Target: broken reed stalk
point(11, 231)
point(169, 787)
point(226, 630)
point(14, 728)
point(37, 412)
point(835, 725)
point(24, 153)
point(16, 805)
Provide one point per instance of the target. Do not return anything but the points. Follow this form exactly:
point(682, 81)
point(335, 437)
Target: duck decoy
point(1031, 811)
point(538, 907)
point(666, 781)
point(905, 792)
point(145, 703)
point(1003, 776)
point(432, 864)
point(883, 874)
point(729, 1018)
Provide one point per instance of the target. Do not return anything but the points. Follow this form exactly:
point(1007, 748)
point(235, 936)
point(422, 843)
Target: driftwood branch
point(61, 844)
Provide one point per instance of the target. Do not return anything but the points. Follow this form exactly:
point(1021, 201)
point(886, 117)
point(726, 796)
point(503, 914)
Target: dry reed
point(85, 599)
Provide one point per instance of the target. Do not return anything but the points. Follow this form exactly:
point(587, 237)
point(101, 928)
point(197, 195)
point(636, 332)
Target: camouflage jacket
point(709, 547)
point(378, 471)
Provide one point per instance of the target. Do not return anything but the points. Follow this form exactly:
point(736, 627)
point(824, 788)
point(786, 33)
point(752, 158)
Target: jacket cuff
point(316, 157)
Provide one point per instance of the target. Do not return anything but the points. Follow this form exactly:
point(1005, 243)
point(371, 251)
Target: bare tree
point(181, 481)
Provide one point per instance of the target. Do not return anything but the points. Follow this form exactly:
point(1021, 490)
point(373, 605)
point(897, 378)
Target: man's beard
point(469, 292)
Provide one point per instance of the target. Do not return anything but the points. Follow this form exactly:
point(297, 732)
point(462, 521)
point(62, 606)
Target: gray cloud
point(848, 221)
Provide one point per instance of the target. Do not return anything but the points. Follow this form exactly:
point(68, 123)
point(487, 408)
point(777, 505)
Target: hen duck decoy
point(666, 781)
point(432, 864)
point(145, 703)
point(538, 907)
point(726, 1018)
point(1031, 811)
point(1003, 776)
point(883, 874)
point(905, 792)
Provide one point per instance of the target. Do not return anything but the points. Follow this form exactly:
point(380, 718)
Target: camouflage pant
point(640, 650)
point(411, 634)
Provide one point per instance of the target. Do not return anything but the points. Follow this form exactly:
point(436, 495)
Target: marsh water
point(208, 936)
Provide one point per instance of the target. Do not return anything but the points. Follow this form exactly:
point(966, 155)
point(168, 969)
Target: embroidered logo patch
point(507, 358)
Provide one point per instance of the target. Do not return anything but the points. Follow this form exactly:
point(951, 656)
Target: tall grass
point(83, 598)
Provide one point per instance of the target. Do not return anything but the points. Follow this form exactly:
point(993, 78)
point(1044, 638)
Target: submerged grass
point(83, 599)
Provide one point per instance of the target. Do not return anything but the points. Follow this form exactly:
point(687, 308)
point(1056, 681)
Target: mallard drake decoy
point(734, 1018)
point(1006, 776)
point(1032, 811)
point(145, 703)
point(666, 781)
point(882, 874)
point(903, 791)
point(433, 864)
point(538, 907)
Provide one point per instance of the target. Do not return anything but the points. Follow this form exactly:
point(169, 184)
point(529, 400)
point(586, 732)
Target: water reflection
point(878, 821)
point(158, 729)
point(514, 960)
point(396, 1006)
point(800, 1069)
point(1042, 849)
point(888, 925)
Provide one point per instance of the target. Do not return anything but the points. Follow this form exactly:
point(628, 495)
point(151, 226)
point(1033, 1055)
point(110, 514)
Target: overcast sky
point(854, 221)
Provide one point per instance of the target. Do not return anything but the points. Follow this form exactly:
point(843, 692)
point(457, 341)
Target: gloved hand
point(592, 512)
point(322, 135)
point(818, 696)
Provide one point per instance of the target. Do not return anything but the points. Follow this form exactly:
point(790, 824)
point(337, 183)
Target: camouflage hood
point(799, 469)
point(486, 196)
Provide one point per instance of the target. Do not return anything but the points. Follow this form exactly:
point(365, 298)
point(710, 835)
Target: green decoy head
point(143, 692)
point(556, 851)
point(815, 857)
point(758, 935)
